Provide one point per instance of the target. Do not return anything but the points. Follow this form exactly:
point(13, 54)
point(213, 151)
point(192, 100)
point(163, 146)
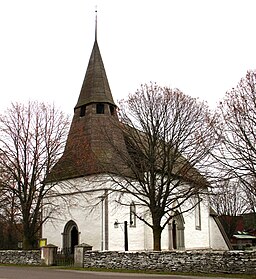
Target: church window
point(198, 214)
point(82, 111)
point(112, 110)
point(132, 215)
point(100, 108)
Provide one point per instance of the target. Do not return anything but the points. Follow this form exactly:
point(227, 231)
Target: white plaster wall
point(88, 217)
point(165, 239)
point(116, 214)
point(217, 241)
point(88, 220)
point(137, 236)
point(116, 235)
point(148, 238)
point(52, 231)
point(195, 238)
point(83, 206)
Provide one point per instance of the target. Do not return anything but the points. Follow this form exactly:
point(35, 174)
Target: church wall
point(165, 239)
point(138, 236)
point(52, 230)
point(217, 241)
point(86, 211)
point(88, 221)
point(116, 235)
point(196, 238)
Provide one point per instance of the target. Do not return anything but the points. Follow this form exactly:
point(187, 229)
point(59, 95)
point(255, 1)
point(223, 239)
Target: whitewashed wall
point(86, 211)
point(217, 241)
point(197, 238)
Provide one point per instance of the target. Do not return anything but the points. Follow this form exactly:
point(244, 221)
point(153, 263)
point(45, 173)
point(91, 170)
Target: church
point(84, 207)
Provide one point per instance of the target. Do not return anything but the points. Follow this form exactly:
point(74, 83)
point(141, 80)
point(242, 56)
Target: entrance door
point(174, 235)
point(70, 237)
point(74, 239)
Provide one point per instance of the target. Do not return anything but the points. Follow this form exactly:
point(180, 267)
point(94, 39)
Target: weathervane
point(96, 11)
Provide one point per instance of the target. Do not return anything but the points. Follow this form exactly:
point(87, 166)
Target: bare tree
point(8, 231)
point(32, 138)
point(229, 201)
point(250, 198)
point(236, 150)
point(168, 136)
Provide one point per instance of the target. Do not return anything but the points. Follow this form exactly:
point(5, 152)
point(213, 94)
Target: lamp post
point(102, 220)
point(102, 223)
point(125, 233)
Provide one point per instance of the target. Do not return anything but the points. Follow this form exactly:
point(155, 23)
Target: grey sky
point(202, 47)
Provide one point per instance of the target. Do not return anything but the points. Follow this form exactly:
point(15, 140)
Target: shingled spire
point(95, 88)
point(94, 125)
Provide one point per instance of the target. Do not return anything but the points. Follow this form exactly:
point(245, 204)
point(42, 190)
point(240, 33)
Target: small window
point(100, 108)
point(82, 111)
point(112, 110)
point(132, 215)
point(198, 214)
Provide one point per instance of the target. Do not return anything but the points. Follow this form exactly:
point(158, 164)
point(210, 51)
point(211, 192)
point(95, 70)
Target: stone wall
point(205, 262)
point(26, 257)
point(189, 261)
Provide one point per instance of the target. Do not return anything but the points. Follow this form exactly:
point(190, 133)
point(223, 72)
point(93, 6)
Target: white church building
point(87, 208)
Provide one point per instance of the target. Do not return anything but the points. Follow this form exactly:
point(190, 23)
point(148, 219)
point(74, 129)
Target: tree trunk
point(29, 239)
point(29, 242)
point(157, 231)
point(26, 243)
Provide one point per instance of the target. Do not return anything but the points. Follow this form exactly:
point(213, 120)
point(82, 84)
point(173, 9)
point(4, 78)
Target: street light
point(116, 224)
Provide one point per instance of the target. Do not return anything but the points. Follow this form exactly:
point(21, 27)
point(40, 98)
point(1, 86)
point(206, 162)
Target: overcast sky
point(202, 47)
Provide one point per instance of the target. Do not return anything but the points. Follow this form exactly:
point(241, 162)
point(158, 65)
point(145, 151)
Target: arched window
point(132, 215)
point(197, 213)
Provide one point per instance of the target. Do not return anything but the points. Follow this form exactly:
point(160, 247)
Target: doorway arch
point(176, 233)
point(70, 237)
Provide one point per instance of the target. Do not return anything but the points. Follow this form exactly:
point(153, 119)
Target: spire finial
point(96, 11)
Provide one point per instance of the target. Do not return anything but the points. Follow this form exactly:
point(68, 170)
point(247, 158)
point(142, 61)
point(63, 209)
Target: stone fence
point(186, 261)
point(205, 262)
point(20, 257)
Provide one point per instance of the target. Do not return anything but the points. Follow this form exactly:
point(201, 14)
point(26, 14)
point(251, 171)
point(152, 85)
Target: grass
point(224, 275)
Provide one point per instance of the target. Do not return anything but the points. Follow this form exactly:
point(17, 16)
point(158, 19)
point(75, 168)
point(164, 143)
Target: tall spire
point(88, 150)
point(95, 87)
point(96, 22)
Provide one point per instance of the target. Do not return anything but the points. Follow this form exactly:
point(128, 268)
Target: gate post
point(48, 254)
point(79, 254)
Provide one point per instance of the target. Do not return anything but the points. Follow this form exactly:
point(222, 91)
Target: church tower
point(94, 126)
